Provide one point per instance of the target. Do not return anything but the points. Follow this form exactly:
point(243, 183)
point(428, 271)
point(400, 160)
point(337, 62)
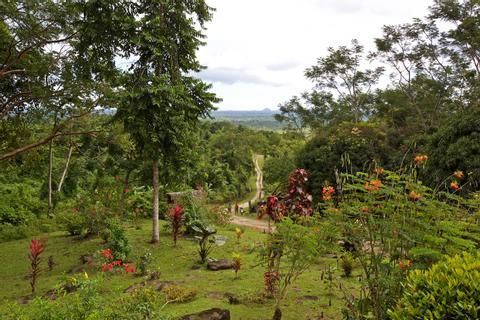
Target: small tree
point(288, 253)
point(35, 250)
point(237, 263)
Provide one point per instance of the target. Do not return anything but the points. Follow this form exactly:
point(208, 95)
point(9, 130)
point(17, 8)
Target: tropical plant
point(35, 250)
point(205, 241)
point(176, 218)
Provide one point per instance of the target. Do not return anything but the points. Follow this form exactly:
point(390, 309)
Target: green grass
point(176, 264)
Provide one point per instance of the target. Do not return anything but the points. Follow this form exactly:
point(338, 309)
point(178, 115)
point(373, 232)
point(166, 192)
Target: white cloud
point(257, 50)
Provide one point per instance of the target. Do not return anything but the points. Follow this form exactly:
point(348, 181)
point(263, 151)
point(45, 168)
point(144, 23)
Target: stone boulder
point(211, 314)
point(222, 264)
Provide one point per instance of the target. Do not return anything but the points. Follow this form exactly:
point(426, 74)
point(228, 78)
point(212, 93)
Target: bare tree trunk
point(50, 168)
point(156, 190)
point(65, 169)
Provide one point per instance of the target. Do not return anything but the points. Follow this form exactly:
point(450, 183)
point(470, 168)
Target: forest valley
point(372, 190)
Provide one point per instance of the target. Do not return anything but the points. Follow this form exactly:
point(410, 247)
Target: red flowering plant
point(176, 219)
point(394, 223)
point(35, 250)
point(109, 263)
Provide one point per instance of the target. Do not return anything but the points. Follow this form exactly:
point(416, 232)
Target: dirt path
point(259, 225)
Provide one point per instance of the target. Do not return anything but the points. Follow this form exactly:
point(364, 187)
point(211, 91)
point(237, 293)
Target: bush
point(178, 294)
point(448, 290)
point(347, 262)
point(20, 203)
point(114, 235)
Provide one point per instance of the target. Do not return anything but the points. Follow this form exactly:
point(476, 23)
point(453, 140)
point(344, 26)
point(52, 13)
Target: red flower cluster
point(327, 193)
point(107, 253)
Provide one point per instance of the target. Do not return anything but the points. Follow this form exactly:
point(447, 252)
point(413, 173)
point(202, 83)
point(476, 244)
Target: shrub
point(144, 262)
point(179, 294)
point(176, 219)
point(448, 290)
point(114, 235)
point(73, 223)
point(237, 263)
point(346, 261)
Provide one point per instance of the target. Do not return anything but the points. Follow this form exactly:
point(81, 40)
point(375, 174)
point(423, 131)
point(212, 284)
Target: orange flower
point(413, 196)
point(459, 174)
point(454, 186)
point(379, 170)
point(401, 265)
point(365, 209)
point(421, 158)
point(327, 193)
point(372, 185)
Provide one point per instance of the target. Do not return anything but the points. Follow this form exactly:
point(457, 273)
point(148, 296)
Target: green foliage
point(450, 289)
point(114, 235)
point(358, 144)
point(20, 203)
point(205, 241)
point(145, 260)
point(347, 263)
point(455, 146)
point(395, 223)
point(288, 253)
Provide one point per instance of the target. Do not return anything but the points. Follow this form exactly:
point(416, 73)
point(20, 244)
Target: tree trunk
point(50, 168)
point(156, 190)
point(65, 169)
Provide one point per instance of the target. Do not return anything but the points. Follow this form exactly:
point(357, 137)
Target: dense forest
point(368, 184)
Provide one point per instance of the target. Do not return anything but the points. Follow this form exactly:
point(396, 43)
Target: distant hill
point(256, 119)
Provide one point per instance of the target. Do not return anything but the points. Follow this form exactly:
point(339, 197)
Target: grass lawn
point(176, 264)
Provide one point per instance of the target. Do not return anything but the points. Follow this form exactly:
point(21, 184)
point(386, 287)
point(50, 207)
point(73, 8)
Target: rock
point(86, 259)
point(232, 299)
point(134, 287)
point(196, 267)
point(160, 285)
point(211, 314)
point(222, 264)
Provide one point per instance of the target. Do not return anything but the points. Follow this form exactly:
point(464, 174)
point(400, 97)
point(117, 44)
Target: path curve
point(259, 225)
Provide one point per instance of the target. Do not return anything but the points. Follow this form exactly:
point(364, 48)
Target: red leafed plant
point(298, 201)
point(35, 250)
point(176, 217)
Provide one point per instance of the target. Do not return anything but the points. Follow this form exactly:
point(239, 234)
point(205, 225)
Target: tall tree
point(161, 102)
point(341, 72)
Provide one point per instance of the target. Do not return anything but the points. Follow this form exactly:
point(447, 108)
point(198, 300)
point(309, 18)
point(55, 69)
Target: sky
point(257, 50)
